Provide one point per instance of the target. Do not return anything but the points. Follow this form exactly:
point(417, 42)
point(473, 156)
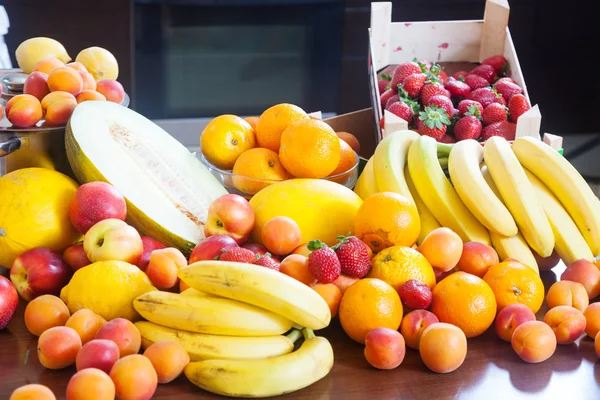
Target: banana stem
point(444, 162)
point(294, 335)
point(443, 150)
point(298, 327)
point(308, 334)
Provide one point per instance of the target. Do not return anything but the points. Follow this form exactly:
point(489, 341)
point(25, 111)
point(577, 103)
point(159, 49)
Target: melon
point(167, 189)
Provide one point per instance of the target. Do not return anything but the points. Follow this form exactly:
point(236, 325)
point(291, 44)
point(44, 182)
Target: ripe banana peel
point(366, 184)
point(428, 221)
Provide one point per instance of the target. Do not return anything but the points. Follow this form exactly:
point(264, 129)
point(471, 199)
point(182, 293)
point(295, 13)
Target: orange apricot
point(592, 317)
point(534, 341)
point(164, 266)
point(477, 258)
point(413, 324)
point(87, 95)
point(510, 317)
point(65, 79)
point(45, 312)
point(134, 378)
point(124, 333)
point(86, 323)
point(36, 85)
point(302, 250)
point(331, 294)
point(281, 235)
point(23, 110)
point(567, 323)
point(568, 293)
point(48, 64)
point(55, 96)
point(296, 266)
point(77, 66)
point(384, 348)
point(59, 112)
point(168, 358)
point(58, 347)
point(89, 83)
point(442, 248)
point(443, 347)
point(90, 383)
point(33, 391)
point(111, 89)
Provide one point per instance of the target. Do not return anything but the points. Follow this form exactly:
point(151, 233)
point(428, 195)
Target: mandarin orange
point(348, 160)
point(256, 168)
point(513, 282)
point(351, 140)
point(273, 121)
point(225, 138)
point(398, 264)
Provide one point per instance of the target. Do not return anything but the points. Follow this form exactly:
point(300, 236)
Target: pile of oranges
point(283, 143)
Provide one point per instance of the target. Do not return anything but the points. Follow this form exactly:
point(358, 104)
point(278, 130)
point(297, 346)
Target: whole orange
point(369, 304)
point(387, 219)
point(351, 140)
point(273, 121)
point(398, 264)
point(466, 301)
point(513, 282)
point(253, 121)
point(256, 168)
point(309, 149)
point(348, 160)
point(225, 138)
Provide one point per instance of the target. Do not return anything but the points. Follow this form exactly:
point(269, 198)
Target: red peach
point(164, 266)
point(36, 85)
point(477, 258)
point(111, 89)
point(75, 257)
point(134, 378)
point(168, 358)
point(98, 353)
point(384, 348)
point(45, 312)
point(568, 293)
point(592, 317)
point(413, 324)
point(58, 347)
point(90, 383)
point(94, 202)
point(586, 273)
point(124, 333)
point(568, 323)
point(443, 347)
point(534, 341)
point(510, 317)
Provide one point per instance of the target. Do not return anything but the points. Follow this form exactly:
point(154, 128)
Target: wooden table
point(491, 371)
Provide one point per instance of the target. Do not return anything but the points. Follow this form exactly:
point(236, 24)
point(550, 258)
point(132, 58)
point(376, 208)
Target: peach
point(55, 96)
point(568, 323)
point(302, 250)
point(343, 282)
point(296, 266)
point(586, 273)
point(89, 83)
point(32, 391)
point(546, 263)
point(442, 248)
point(59, 112)
point(510, 317)
point(384, 348)
point(164, 266)
point(48, 64)
point(90, 383)
point(168, 358)
point(36, 85)
point(534, 341)
point(86, 323)
point(597, 344)
point(98, 353)
point(477, 258)
point(134, 378)
point(65, 79)
point(88, 95)
point(77, 66)
point(331, 294)
point(568, 293)
point(443, 347)
point(58, 347)
point(124, 333)
point(592, 318)
point(75, 257)
point(413, 324)
point(23, 110)
point(45, 312)
point(111, 89)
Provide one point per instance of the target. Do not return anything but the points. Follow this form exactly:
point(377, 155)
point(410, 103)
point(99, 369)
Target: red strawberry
point(385, 96)
point(468, 127)
point(266, 261)
point(415, 294)
point(402, 71)
point(517, 106)
point(323, 262)
point(424, 64)
point(460, 75)
point(442, 102)
point(498, 62)
point(413, 83)
point(433, 122)
point(470, 107)
point(506, 79)
point(392, 100)
point(238, 254)
point(457, 88)
point(402, 110)
point(494, 112)
point(447, 139)
point(383, 84)
point(382, 123)
point(503, 129)
point(443, 76)
point(485, 71)
point(353, 255)
point(431, 89)
point(507, 89)
point(485, 96)
point(476, 81)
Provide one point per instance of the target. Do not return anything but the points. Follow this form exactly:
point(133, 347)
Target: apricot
point(86, 323)
point(586, 273)
point(534, 341)
point(134, 378)
point(413, 324)
point(384, 348)
point(59, 112)
point(302, 250)
point(65, 79)
point(98, 353)
point(89, 83)
point(77, 66)
point(90, 383)
point(343, 282)
point(168, 358)
point(567, 293)
point(331, 294)
point(567, 323)
point(48, 64)
point(55, 96)
point(111, 89)
point(351, 140)
point(477, 258)
point(597, 344)
point(23, 110)
point(442, 248)
point(296, 266)
point(36, 85)
point(124, 333)
point(592, 318)
point(87, 95)
point(45, 312)
point(164, 266)
point(33, 391)
point(443, 347)
point(183, 286)
point(510, 317)
point(58, 347)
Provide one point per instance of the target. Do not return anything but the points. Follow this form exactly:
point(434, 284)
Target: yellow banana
point(261, 287)
point(438, 194)
point(428, 221)
point(565, 183)
point(263, 378)
point(517, 194)
point(463, 165)
point(366, 184)
point(209, 314)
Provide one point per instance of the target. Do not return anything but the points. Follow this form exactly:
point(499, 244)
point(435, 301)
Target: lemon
point(99, 62)
point(35, 49)
point(108, 288)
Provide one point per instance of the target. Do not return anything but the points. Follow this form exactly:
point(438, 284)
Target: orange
point(387, 219)
point(309, 149)
point(348, 160)
point(256, 169)
point(253, 121)
point(398, 264)
point(369, 304)
point(513, 282)
point(274, 121)
point(466, 301)
point(225, 138)
point(351, 140)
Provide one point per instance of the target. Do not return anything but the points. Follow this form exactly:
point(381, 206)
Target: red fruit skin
point(494, 112)
point(39, 271)
point(238, 254)
point(324, 265)
point(506, 79)
point(413, 84)
point(467, 128)
point(268, 262)
point(382, 123)
point(460, 74)
point(402, 110)
point(507, 89)
point(260, 250)
point(443, 76)
point(9, 299)
point(448, 139)
point(457, 88)
point(392, 100)
point(517, 106)
point(504, 129)
point(75, 257)
point(463, 106)
point(211, 247)
point(435, 133)
point(385, 96)
point(485, 96)
point(415, 294)
point(442, 102)
point(485, 71)
point(402, 71)
point(431, 89)
point(497, 61)
point(476, 81)
point(354, 258)
point(382, 85)
point(149, 245)
point(94, 202)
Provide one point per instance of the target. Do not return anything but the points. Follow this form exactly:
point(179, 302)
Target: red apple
point(230, 215)
point(94, 202)
point(9, 299)
point(260, 249)
point(149, 245)
point(39, 271)
point(113, 240)
point(211, 247)
point(546, 263)
point(75, 257)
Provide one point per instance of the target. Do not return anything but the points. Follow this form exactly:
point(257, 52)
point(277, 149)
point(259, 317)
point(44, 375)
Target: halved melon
point(167, 189)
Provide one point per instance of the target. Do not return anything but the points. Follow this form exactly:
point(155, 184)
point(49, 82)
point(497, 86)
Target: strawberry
point(391, 100)
point(353, 255)
point(385, 96)
point(413, 84)
point(237, 254)
point(442, 102)
point(447, 139)
point(470, 107)
point(485, 71)
point(476, 81)
point(433, 122)
point(443, 76)
point(402, 71)
point(266, 261)
point(485, 96)
point(457, 88)
point(431, 89)
point(460, 75)
point(468, 127)
point(517, 106)
point(507, 89)
point(503, 129)
point(424, 64)
point(323, 262)
point(498, 62)
point(494, 112)
point(383, 85)
point(506, 79)
point(415, 294)
point(402, 110)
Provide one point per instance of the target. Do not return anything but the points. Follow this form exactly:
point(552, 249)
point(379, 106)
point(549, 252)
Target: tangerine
point(273, 121)
point(398, 264)
point(351, 140)
point(513, 282)
point(255, 168)
point(348, 160)
point(253, 121)
point(225, 138)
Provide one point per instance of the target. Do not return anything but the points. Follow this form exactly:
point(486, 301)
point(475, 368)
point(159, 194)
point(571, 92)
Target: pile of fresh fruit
point(478, 104)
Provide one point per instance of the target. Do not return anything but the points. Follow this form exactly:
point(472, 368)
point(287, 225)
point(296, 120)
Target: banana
point(262, 287)
point(568, 241)
point(565, 183)
point(366, 184)
point(389, 161)
point(438, 194)
point(194, 293)
point(463, 165)
point(208, 347)
point(428, 221)
point(209, 314)
point(517, 194)
point(263, 378)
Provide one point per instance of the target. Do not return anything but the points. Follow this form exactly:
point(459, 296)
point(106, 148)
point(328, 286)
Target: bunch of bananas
point(519, 198)
point(233, 323)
